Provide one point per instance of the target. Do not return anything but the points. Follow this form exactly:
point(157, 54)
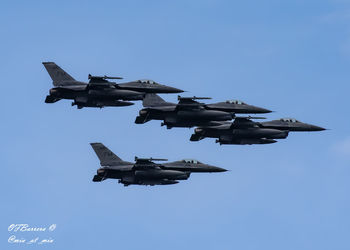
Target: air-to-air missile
point(245, 131)
point(189, 113)
point(144, 171)
point(99, 92)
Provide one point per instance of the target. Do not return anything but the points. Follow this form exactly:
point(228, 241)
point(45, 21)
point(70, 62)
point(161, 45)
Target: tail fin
point(106, 156)
point(58, 75)
point(151, 100)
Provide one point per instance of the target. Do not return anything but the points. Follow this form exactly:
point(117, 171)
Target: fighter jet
point(189, 113)
point(245, 131)
point(99, 92)
point(145, 171)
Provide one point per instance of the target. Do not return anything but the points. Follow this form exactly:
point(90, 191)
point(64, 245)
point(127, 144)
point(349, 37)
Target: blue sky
point(292, 57)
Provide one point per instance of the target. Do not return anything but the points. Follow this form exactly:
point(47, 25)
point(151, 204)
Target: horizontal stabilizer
point(97, 178)
point(51, 99)
point(196, 137)
point(141, 119)
point(180, 98)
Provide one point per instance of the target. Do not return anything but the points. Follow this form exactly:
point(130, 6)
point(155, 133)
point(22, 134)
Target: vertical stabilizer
point(58, 75)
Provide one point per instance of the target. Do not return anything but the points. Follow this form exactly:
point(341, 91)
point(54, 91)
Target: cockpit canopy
point(147, 81)
point(192, 161)
point(289, 120)
point(235, 102)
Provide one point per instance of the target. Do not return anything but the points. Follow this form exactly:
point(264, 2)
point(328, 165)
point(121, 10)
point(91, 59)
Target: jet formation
point(211, 120)
point(145, 171)
point(228, 122)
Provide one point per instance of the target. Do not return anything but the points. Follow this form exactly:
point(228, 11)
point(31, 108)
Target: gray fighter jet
point(245, 131)
point(146, 171)
point(99, 92)
point(189, 113)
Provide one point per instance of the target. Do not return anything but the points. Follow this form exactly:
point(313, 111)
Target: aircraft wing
point(147, 160)
point(163, 108)
point(243, 122)
point(196, 137)
point(101, 82)
point(186, 104)
point(72, 87)
point(185, 101)
point(125, 168)
point(50, 99)
point(146, 163)
point(102, 85)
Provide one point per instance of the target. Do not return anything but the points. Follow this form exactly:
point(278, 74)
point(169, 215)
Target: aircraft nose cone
point(258, 110)
point(216, 169)
point(220, 169)
point(250, 109)
point(176, 90)
point(168, 89)
point(315, 128)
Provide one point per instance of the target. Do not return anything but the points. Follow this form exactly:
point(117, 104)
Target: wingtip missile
point(192, 98)
point(104, 77)
point(149, 159)
point(249, 117)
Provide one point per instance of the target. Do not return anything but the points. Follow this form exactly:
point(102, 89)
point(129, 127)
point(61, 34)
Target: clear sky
point(292, 57)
